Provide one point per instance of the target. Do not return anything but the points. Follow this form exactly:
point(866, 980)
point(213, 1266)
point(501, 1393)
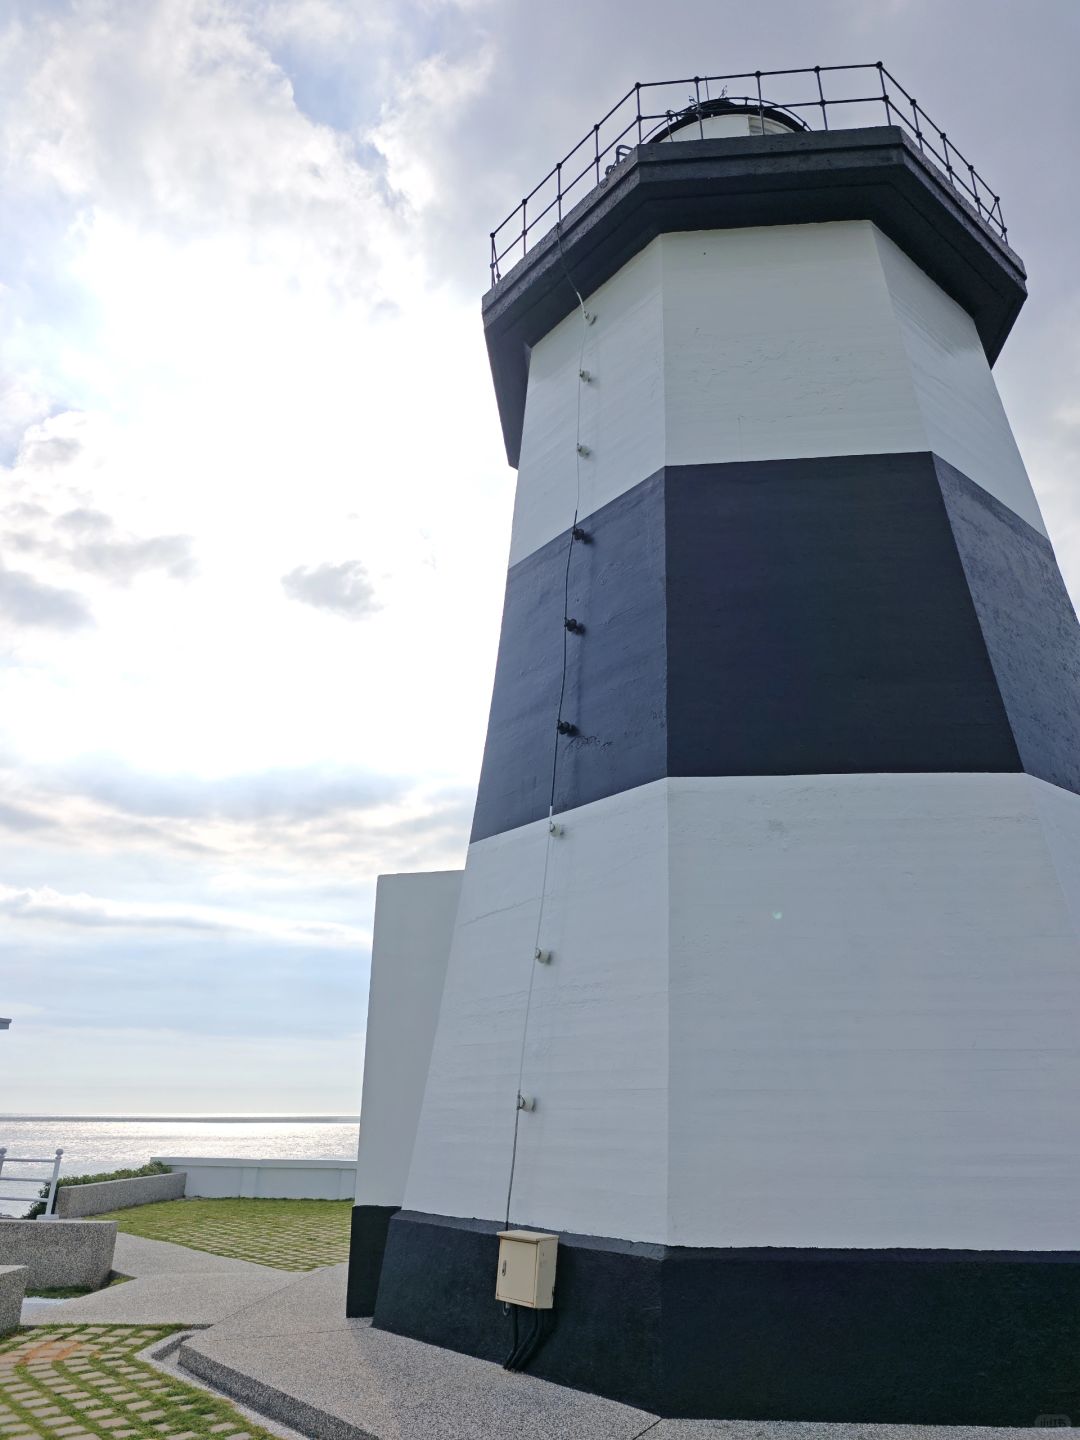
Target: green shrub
point(155, 1167)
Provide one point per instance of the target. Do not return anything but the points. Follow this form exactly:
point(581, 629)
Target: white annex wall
point(798, 1011)
point(218, 1176)
point(778, 342)
point(414, 922)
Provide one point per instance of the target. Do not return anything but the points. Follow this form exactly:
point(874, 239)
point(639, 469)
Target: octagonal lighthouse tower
point(760, 989)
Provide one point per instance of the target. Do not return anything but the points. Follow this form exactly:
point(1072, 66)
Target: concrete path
point(173, 1285)
point(294, 1357)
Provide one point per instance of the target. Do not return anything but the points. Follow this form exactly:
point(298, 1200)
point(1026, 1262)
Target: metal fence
point(50, 1179)
point(819, 97)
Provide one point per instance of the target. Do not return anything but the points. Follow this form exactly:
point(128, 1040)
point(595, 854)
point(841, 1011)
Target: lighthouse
point(755, 1010)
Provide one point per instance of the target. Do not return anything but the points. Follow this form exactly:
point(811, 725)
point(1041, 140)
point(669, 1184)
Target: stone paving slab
point(312, 1304)
point(293, 1356)
point(363, 1384)
point(166, 1299)
point(138, 1256)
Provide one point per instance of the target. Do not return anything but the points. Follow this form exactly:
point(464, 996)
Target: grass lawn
point(84, 1381)
point(285, 1234)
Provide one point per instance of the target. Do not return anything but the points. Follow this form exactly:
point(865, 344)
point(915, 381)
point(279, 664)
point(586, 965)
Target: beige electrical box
point(526, 1268)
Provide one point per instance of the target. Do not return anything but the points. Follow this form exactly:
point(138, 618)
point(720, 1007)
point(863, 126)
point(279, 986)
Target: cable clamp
point(583, 449)
point(585, 376)
point(543, 957)
point(581, 535)
point(526, 1102)
point(574, 626)
point(565, 727)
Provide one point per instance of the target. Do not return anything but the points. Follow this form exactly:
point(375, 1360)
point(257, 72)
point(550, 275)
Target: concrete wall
point(801, 1011)
point(59, 1253)
point(771, 343)
point(73, 1201)
point(271, 1179)
point(12, 1290)
point(414, 920)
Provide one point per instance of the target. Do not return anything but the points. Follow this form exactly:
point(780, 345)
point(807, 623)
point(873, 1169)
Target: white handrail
point(50, 1203)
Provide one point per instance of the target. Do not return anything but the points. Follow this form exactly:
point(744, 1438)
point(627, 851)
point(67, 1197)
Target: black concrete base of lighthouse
point(950, 1337)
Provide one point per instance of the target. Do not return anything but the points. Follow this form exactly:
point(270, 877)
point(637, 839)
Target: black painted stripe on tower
point(819, 616)
point(367, 1242)
point(1028, 623)
point(616, 670)
point(893, 1336)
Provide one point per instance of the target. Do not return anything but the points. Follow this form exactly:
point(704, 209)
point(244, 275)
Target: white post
point(50, 1203)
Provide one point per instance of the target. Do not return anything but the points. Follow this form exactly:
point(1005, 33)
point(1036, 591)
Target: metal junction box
point(526, 1268)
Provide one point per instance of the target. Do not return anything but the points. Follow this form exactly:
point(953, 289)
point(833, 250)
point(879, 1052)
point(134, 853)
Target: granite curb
point(75, 1202)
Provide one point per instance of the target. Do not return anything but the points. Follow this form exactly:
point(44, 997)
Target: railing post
point(975, 186)
point(884, 93)
point(821, 98)
point(637, 98)
point(760, 105)
point(3, 1157)
point(697, 107)
point(918, 127)
point(51, 1202)
point(558, 189)
point(596, 148)
point(494, 261)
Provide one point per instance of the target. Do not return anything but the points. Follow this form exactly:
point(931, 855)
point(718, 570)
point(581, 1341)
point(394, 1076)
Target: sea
point(94, 1143)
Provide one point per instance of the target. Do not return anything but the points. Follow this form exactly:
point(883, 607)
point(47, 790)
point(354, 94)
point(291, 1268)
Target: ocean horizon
point(233, 1117)
point(96, 1143)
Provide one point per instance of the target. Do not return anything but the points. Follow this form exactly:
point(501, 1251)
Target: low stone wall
point(217, 1177)
point(75, 1201)
point(59, 1253)
point(12, 1290)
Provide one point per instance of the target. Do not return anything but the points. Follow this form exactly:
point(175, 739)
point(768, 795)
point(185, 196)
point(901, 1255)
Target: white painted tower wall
point(774, 343)
point(790, 1010)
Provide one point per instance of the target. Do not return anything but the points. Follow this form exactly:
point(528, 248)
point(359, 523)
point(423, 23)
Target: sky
point(254, 506)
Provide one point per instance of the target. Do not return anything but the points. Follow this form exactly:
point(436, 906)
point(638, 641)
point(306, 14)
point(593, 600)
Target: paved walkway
point(173, 1285)
point(294, 1357)
point(281, 1344)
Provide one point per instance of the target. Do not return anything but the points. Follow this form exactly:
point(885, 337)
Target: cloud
point(44, 904)
point(121, 561)
point(343, 589)
point(292, 795)
point(51, 513)
point(320, 825)
point(27, 601)
point(19, 819)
